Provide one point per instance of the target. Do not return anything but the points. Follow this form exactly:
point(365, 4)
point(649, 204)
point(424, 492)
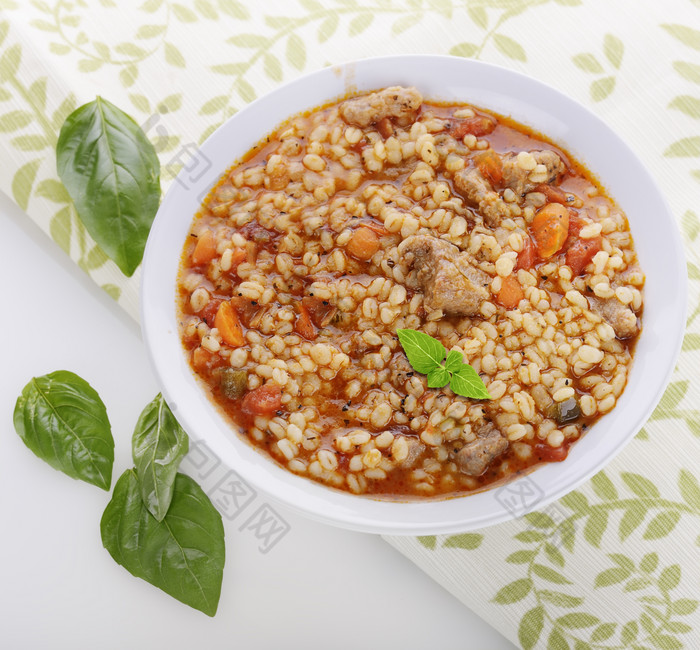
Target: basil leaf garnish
point(183, 555)
point(454, 361)
point(466, 382)
point(111, 172)
point(438, 378)
point(425, 354)
point(62, 419)
point(158, 445)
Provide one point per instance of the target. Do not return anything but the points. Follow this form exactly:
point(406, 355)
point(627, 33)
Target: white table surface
point(319, 587)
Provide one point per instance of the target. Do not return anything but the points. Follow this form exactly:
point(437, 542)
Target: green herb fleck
point(426, 354)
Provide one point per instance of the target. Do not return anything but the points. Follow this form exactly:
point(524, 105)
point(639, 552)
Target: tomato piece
point(363, 244)
point(264, 400)
point(229, 325)
point(550, 228)
point(238, 257)
point(208, 314)
point(201, 359)
point(377, 228)
point(321, 311)
point(552, 193)
point(551, 454)
point(581, 252)
point(303, 325)
point(245, 308)
point(511, 293)
point(385, 127)
point(205, 250)
point(489, 164)
point(576, 222)
point(528, 256)
point(478, 125)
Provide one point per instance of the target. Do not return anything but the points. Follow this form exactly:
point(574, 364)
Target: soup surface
point(386, 212)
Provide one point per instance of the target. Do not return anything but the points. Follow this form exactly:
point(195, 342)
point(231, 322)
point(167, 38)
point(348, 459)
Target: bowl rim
point(202, 419)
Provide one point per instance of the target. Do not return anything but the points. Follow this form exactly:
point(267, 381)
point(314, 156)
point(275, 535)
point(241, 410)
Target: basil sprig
point(426, 354)
point(183, 554)
point(62, 419)
point(158, 445)
point(159, 525)
point(112, 173)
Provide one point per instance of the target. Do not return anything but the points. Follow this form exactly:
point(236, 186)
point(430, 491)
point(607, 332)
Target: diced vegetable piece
point(576, 222)
point(238, 257)
point(490, 166)
point(321, 311)
point(551, 454)
point(245, 308)
point(385, 127)
point(303, 326)
point(552, 193)
point(208, 314)
point(550, 228)
point(233, 382)
point(264, 400)
point(229, 325)
point(363, 244)
point(528, 256)
point(511, 293)
point(200, 359)
point(566, 411)
point(581, 252)
point(205, 250)
point(378, 228)
point(478, 125)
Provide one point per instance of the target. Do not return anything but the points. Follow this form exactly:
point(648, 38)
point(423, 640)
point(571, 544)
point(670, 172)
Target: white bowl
point(506, 92)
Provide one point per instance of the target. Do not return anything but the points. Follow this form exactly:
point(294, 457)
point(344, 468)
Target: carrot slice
point(205, 250)
point(229, 325)
point(511, 293)
point(363, 244)
point(550, 228)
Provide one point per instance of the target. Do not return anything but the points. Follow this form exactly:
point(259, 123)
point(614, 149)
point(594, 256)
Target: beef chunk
point(474, 187)
point(480, 193)
point(516, 178)
point(395, 102)
point(415, 449)
point(477, 455)
point(621, 317)
point(445, 276)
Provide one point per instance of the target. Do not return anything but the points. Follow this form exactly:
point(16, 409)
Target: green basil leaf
point(424, 353)
point(467, 383)
point(158, 445)
point(454, 361)
point(438, 377)
point(111, 172)
point(62, 419)
point(183, 555)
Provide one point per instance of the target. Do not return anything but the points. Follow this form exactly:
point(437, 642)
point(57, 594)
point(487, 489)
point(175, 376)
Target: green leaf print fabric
point(616, 563)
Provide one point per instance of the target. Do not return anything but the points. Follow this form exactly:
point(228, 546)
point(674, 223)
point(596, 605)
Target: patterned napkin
point(612, 565)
